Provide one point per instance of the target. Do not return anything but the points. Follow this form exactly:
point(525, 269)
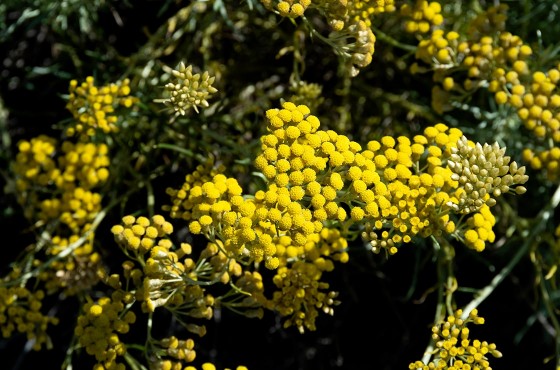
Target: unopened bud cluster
point(189, 90)
point(484, 172)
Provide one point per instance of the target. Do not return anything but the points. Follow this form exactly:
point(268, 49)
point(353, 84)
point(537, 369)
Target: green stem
point(440, 307)
point(391, 41)
point(549, 306)
point(542, 218)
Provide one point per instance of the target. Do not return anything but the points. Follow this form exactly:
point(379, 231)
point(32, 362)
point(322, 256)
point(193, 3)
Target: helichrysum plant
point(188, 90)
point(333, 142)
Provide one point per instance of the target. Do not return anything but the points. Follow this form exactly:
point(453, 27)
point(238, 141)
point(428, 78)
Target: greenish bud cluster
point(485, 173)
point(189, 90)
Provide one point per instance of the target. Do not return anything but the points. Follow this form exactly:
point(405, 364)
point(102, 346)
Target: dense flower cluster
point(350, 21)
point(162, 279)
point(500, 61)
point(491, 57)
point(537, 100)
point(71, 172)
point(94, 107)
point(484, 173)
point(390, 192)
point(170, 352)
point(300, 295)
point(188, 90)
point(421, 16)
point(98, 329)
point(210, 366)
point(20, 311)
point(57, 183)
point(287, 8)
point(454, 350)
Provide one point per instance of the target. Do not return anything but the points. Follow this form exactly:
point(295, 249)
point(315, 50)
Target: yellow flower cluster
point(140, 235)
point(396, 188)
point(178, 350)
point(182, 205)
point(301, 294)
point(20, 311)
point(479, 229)
point(210, 366)
point(544, 159)
point(287, 8)
point(494, 59)
point(383, 185)
point(74, 171)
point(55, 184)
point(365, 10)
point(454, 350)
point(537, 100)
point(98, 329)
point(422, 16)
point(166, 276)
point(489, 21)
point(390, 191)
point(94, 107)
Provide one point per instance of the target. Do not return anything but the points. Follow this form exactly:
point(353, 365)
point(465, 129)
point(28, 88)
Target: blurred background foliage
point(259, 58)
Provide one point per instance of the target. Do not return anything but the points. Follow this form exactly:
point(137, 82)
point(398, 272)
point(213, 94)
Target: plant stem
point(541, 220)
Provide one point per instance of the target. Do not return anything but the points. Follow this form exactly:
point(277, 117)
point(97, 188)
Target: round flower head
point(188, 90)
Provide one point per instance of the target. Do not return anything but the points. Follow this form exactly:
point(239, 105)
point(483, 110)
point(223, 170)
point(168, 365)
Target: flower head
point(188, 90)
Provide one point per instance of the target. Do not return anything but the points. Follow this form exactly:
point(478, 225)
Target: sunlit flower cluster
point(536, 98)
point(454, 350)
point(389, 192)
point(57, 184)
point(365, 10)
point(188, 90)
point(301, 295)
point(396, 188)
point(479, 229)
point(98, 330)
point(71, 171)
point(171, 352)
point(94, 107)
point(484, 172)
point(421, 16)
point(490, 59)
point(210, 366)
